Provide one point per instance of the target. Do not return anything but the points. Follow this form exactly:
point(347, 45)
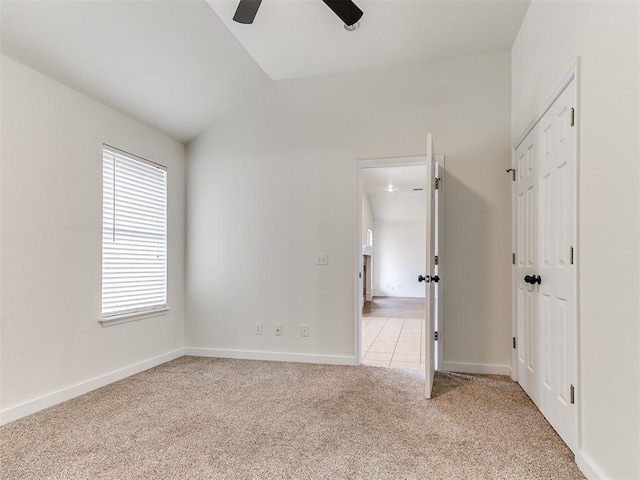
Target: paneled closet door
point(546, 280)
point(526, 243)
point(556, 249)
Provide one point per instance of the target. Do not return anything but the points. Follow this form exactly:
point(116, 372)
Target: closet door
point(546, 278)
point(526, 306)
point(556, 241)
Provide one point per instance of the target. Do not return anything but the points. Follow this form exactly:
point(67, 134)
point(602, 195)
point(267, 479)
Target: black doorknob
point(435, 278)
point(423, 279)
point(533, 279)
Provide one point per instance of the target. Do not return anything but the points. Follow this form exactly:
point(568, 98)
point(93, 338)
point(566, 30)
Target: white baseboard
point(273, 356)
point(32, 406)
point(483, 368)
point(399, 295)
point(587, 467)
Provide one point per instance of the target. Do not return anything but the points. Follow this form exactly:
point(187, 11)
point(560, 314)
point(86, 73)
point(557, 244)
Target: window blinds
point(134, 234)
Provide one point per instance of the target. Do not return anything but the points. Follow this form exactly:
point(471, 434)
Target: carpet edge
point(29, 407)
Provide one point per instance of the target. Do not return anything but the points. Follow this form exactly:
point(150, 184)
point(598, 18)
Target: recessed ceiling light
point(390, 188)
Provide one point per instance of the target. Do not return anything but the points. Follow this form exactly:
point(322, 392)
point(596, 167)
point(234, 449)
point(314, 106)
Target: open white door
point(429, 350)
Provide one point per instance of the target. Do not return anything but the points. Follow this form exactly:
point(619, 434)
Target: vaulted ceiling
point(182, 65)
point(300, 38)
point(171, 64)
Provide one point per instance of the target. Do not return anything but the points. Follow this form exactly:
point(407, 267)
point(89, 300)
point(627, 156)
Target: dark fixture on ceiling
point(348, 12)
point(246, 11)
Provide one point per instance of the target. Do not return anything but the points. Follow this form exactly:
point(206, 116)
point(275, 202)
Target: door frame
point(573, 74)
point(360, 165)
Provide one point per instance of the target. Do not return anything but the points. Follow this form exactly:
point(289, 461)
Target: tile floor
point(393, 341)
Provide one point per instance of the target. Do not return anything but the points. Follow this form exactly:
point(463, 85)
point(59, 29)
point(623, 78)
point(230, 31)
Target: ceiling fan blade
point(246, 11)
point(348, 11)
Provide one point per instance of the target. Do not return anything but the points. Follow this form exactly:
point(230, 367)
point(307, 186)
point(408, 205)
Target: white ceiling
point(171, 64)
point(299, 38)
point(404, 203)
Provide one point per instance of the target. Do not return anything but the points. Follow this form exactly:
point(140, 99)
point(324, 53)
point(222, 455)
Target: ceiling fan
point(348, 12)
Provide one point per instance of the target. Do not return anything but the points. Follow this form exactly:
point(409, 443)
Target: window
point(134, 235)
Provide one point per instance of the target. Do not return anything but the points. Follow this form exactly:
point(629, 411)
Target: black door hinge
point(513, 258)
point(514, 342)
point(573, 116)
point(435, 336)
point(437, 183)
point(572, 394)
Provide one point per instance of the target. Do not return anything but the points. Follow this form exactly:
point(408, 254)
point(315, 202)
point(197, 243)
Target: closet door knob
point(533, 279)
point(423, 279)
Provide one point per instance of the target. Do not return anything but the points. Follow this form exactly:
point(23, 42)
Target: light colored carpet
point(198, 418)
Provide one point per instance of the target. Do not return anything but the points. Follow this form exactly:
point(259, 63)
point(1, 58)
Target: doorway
point(391, 233)
point(394, 210)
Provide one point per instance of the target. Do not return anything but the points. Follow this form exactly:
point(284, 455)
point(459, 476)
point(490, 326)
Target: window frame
point(133, 314)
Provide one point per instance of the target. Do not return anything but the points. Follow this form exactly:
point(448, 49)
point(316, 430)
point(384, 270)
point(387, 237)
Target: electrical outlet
point(322, 259)
point(258, 329)
point(278, 330)
point(304, 330)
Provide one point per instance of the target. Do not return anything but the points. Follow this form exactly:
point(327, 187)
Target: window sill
point(132, 317)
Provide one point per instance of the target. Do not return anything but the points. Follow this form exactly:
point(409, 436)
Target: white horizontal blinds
point(134, 234)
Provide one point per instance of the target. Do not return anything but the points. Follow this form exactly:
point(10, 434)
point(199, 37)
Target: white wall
point(605, 35)
point(400, 258)
point(51, 218)
point(274, 184)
